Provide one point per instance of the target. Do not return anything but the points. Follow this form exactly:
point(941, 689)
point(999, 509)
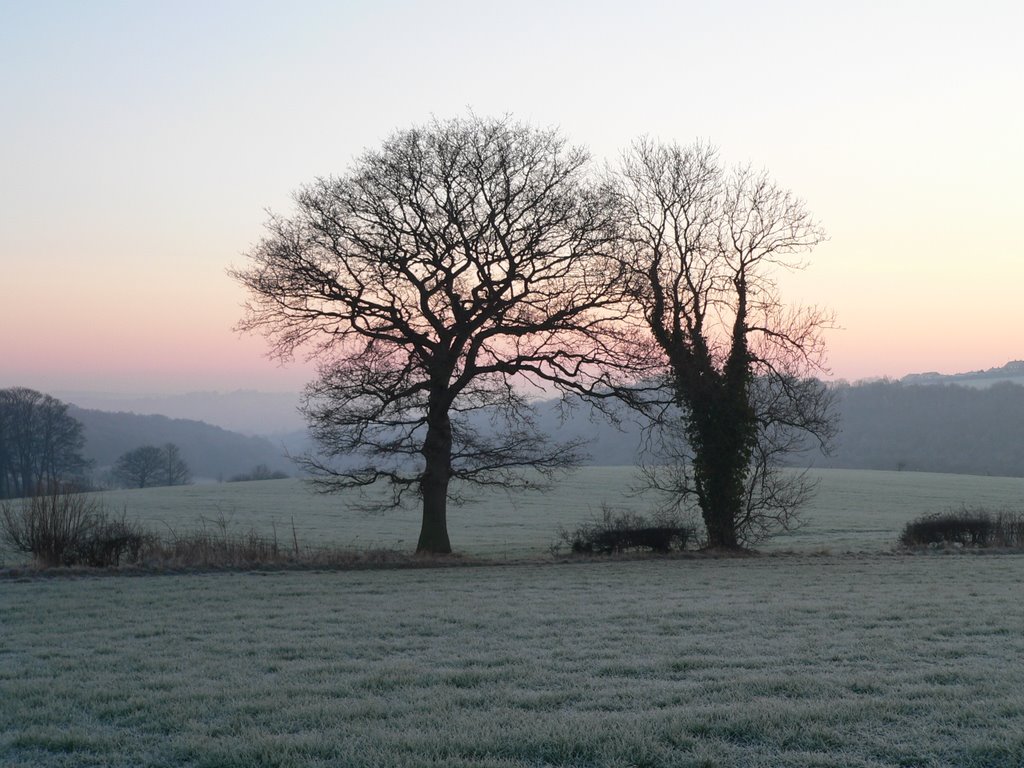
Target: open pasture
point(855, 510)
point(846, 660)
point(856, 659)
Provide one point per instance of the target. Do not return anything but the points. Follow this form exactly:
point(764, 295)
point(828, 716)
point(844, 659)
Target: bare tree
point(458, 264)
point(175, 471)
point(141, 467)
point(149, 466)
point(702, 244)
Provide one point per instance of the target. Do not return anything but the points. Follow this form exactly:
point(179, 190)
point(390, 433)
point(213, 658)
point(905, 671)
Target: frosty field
point(859, 657)
point(855, 510)
point(842, 660)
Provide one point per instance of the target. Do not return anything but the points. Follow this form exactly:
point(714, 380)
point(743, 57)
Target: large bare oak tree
point(444, 272)
point(702, 244)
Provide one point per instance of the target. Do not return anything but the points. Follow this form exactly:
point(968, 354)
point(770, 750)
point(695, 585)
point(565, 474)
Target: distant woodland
point(960, 427)
point(211, 452)
point(888, 425)
point(932, 428)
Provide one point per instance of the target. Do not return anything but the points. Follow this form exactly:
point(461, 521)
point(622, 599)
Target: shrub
point(65, 527)
point(50, 526)
point(112, 541)
point(625, 531)
point(969, 527)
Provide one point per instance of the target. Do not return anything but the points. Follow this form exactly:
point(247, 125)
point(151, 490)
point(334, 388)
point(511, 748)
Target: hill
point(211, 452)
point(1012, 372)
point(887, 425)
point(244, 411)
point(936, 427)
point(968, 423)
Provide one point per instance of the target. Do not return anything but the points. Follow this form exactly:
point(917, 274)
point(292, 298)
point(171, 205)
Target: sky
point(142, 144)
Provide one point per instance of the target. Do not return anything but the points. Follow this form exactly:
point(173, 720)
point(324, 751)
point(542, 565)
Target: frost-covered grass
point(855, 510)
point(852, 660)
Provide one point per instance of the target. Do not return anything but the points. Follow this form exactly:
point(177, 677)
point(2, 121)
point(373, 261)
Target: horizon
point(69, 394)
point(143, 145)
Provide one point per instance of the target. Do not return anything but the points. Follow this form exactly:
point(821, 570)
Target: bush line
point(966, 527)
point(65, 528)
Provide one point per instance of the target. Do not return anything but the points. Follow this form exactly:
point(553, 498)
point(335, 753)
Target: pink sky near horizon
point(190, 345)
point(141, 145)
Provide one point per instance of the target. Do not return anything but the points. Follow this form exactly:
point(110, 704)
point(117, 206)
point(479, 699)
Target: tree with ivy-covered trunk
point(435, 282)
point(701, 244)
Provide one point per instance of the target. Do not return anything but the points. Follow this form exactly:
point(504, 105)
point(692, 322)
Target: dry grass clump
point(61, 527)
point(216, 544)
point(967, 527)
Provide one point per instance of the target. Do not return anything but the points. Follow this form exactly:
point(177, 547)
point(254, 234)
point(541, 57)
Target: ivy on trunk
point(701, 244)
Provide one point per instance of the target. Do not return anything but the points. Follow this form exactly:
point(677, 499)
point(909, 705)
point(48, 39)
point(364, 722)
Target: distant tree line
point(48, 445)
point(884, 425)
point(259, 472)
point(890, 425)
point(210, 451)
point(41, 448)
point(40, 444)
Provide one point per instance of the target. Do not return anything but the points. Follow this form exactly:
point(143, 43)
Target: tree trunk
point(720, 509)
point(719, 490)
point(437, 450)
point(721, 431)
point(434, 529)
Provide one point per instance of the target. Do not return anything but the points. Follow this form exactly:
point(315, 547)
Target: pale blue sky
point(141, 142)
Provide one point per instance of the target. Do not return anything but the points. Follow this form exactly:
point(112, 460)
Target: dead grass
point(218, 545)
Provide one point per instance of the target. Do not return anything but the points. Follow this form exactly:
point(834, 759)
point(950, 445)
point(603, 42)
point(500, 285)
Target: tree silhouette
point(40, 444)
point(701, 244)
point(175, 471)
point(444, 273)
point(141, 467)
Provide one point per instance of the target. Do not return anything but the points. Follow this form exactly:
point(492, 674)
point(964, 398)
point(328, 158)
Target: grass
point(855, 510)
point(853, 660)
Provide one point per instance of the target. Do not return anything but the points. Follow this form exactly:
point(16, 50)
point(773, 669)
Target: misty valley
point(965, 424)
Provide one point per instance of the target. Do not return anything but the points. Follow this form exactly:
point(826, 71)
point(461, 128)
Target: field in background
point(847, 660)
point(855, 510)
